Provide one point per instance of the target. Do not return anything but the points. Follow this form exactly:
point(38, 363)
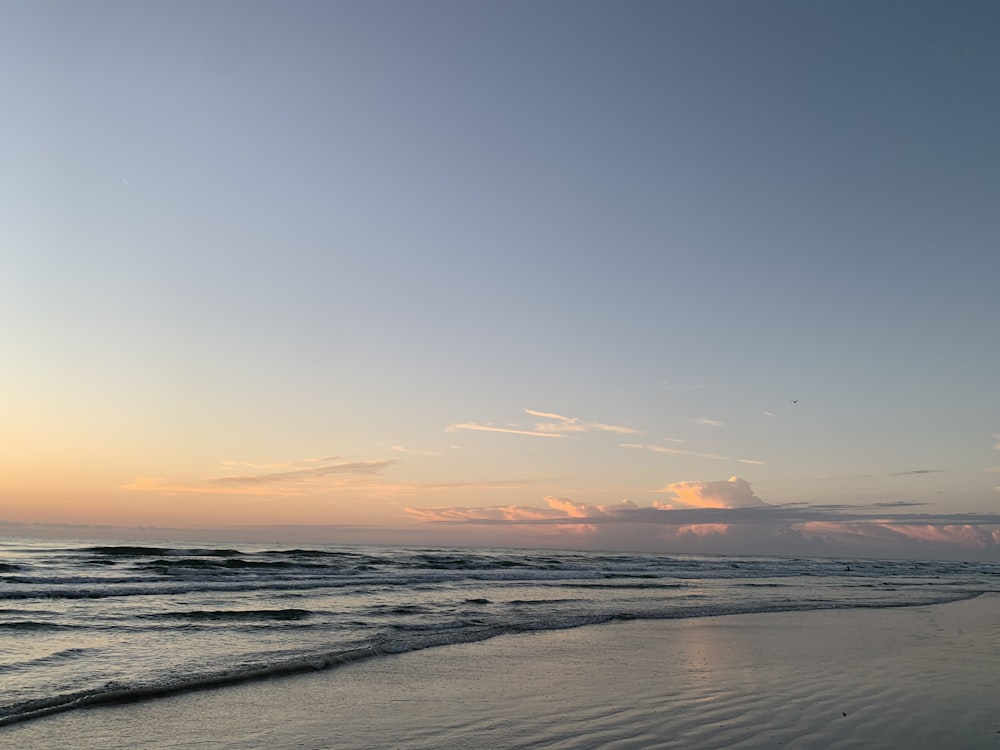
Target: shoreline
point(919, 677)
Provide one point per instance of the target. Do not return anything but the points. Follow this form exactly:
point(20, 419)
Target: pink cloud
point(571, 509)
point(558, 509)
point(733, 493)
point(726, 516)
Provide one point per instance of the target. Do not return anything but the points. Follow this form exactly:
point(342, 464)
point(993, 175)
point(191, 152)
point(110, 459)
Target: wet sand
point(920, 677)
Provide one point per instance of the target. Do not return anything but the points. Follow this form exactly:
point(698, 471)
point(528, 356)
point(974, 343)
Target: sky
point(675, 276)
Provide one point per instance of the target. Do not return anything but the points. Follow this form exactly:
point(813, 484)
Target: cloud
point(413, 451)
point(303, 473)
point(571, 509)
point(556, 426)
point(488, 428)
point(280, 465)
point(750, 461)
point(673, 451)
point(559, 509)
point(573, 424)
point(913, 472)
point(496, 513)
point(707, 422)
point(963, 535)
point(729, 515)
point(281, 480)
point(733, 493)
point(160, 484)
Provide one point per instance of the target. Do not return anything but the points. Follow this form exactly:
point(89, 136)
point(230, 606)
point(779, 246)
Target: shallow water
point(84, 623)
point(872, 679)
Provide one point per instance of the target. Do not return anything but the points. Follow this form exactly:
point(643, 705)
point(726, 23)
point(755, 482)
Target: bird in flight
point(795, 401)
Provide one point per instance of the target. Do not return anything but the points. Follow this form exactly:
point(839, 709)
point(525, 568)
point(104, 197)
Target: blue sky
point(246, 240)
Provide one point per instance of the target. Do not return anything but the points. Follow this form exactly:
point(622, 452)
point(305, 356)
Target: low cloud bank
point(725, 516)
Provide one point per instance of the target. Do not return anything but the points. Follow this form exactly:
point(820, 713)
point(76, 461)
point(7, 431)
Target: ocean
point(84, 623)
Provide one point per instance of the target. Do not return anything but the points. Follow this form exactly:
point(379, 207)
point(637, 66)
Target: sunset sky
point(685, 276)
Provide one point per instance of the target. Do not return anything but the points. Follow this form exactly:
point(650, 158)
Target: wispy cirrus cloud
point(672, 451)
point(472, 426)
point(300, 474)
point(706, 422)
point(554, 426)
point(276, 479)
point(413, 451)
point(559, 424)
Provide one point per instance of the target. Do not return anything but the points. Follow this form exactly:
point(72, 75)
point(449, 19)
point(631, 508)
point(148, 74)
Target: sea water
point(83, 622)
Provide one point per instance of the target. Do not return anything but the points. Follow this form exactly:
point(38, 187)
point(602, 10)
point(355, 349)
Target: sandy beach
point(920, 677)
